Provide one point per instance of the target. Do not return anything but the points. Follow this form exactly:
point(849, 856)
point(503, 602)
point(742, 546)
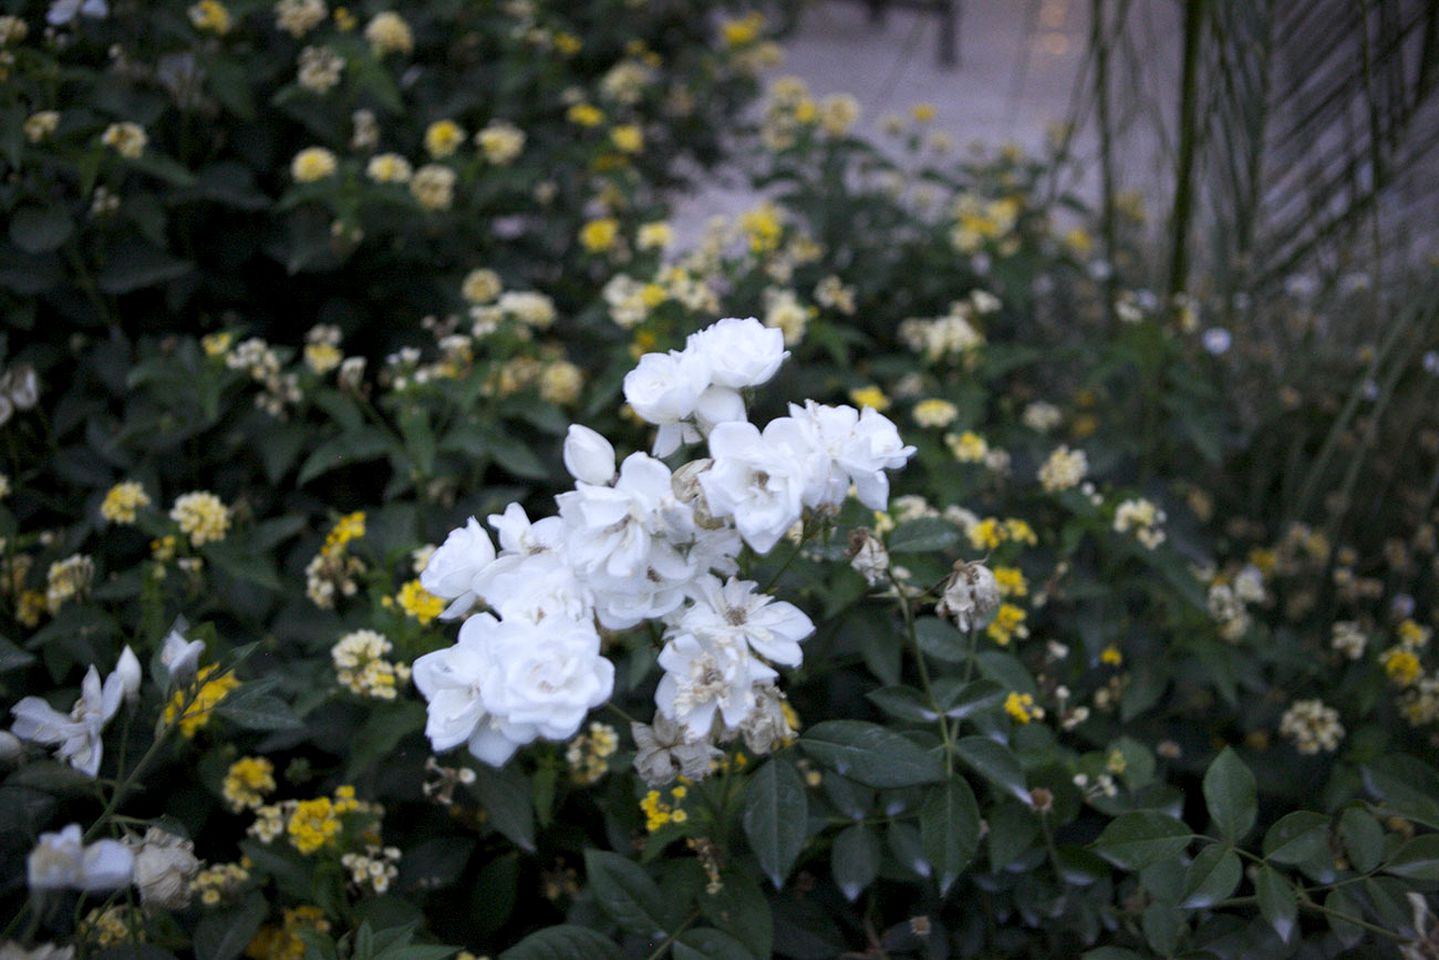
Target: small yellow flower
point(870, 396)
point(654, 236)
point(1011, 582)
point(313, 825)
point(763, 227)
point(443, 137)
point(1008, 623)
point(628, 138)
point(216, 344)
point(210, 16)
point(1402, 666)
point(202, 517)
point(312, 164)
point(41, 124)
point(500, 142)
point(345, 21)
point(122, 501)
point(419, 603)
point(585, 115)
point(433, 185)
point(967, 447)
point(987, 534)
point(247, 782)
point(923, 112)
point(743, 31)
point(1112, 656)
point(935, 412)
point(388, 168)
point(597, 236)
point(1022, 708)
point(210, 692)
point(127, 139)
point(387, 33)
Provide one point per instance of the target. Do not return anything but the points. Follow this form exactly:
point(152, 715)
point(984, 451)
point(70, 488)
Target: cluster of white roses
point(647, 543)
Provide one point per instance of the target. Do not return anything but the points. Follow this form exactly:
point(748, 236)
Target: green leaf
point(1136, 840)
point(961, 700)
point(995, 762)
point(1363, 838)
point(252, 566)
point(940, 640)
point(949, 830)
point(1296, 837)
point(1407, 785)
point(1230, 792)
point(565, 942)
point(924, 535)
point(903, 702)
point(258, 712)
point(354, 447)
point(419, 438)
point(854, 860)
point(870, 754)
point(135, 266)
point(707, 944)
point(1111, 953)
point(1212, 877)
point(741, 910)
point(36, 229)
point(506, 794)
point(223, 935)
point(1162, 925)
point(1277, 901)
point(627, 894)
point(776, 813)
point(1417, 859)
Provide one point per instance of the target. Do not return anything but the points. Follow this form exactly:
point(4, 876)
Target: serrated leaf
point(776, 813)
point(627, 894)
point(949, 830)
point(871, 754)
point(1231, 795)
point(1212, 877)
point(1136, 840)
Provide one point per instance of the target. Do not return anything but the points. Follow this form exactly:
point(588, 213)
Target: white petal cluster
point(635, 542)
point(78, 737)
point(62, 861)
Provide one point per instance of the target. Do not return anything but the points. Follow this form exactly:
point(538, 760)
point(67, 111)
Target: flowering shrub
point(942, 609)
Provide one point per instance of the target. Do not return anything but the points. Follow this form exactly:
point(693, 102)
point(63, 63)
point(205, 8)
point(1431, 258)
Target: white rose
point(733, 613)
point(758, 479)
point(704, 677)
point(589, 456)
point(451, 572)
point(450, 681)
point(620, 530)
point(852, 447)
point(663, 389)
point(740, 353)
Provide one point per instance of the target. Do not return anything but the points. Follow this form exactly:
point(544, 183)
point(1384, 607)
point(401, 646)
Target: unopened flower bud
point(868, 556)
point(130, 674)
point(589, 457)
point(970, 596)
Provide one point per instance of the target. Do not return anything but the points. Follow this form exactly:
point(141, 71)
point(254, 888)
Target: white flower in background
point(77, 737)
point(64, 11)
point(858, 447)
point(619, 531)
point(62, 861)
point(733, 613)
point(164, 867)
point(663, 753)
point(451, 572)
point(663, 389)
point(704, 677)
point(588, 456)
point(868, 556)
point(180, 657)
point(1349, 639)
point(970, 595)
point(758, 479)
point(740, 353)
point(546, 678)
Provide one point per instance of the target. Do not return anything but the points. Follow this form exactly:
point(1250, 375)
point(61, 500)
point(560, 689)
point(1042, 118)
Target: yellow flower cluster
point(1401, 665)
point(935, 412)
point(388, 33)
point(202, 517)
point(762, 228)
point(313, 824)
point(1022, 708)
point(588, 754)
point(419, 603)
point(312, 164)
point(1007, 624)
point(112, 926)
point(585, 115)
point(597, 236)
point(346, 530)
point(742, 31)
point(217, 884)
point(990, 532)
point(122, 500)
point(967, 447)
point(1011, 582)
point(870, 396)
point(210, 16)
point(361, 667)
point(659, 812)
point(284, 943)
point(443, 138)
point(67, 579)
point(1064, 469)
point(247, 782)
point(375, 869)
point(197, 715)
point(127, 139)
